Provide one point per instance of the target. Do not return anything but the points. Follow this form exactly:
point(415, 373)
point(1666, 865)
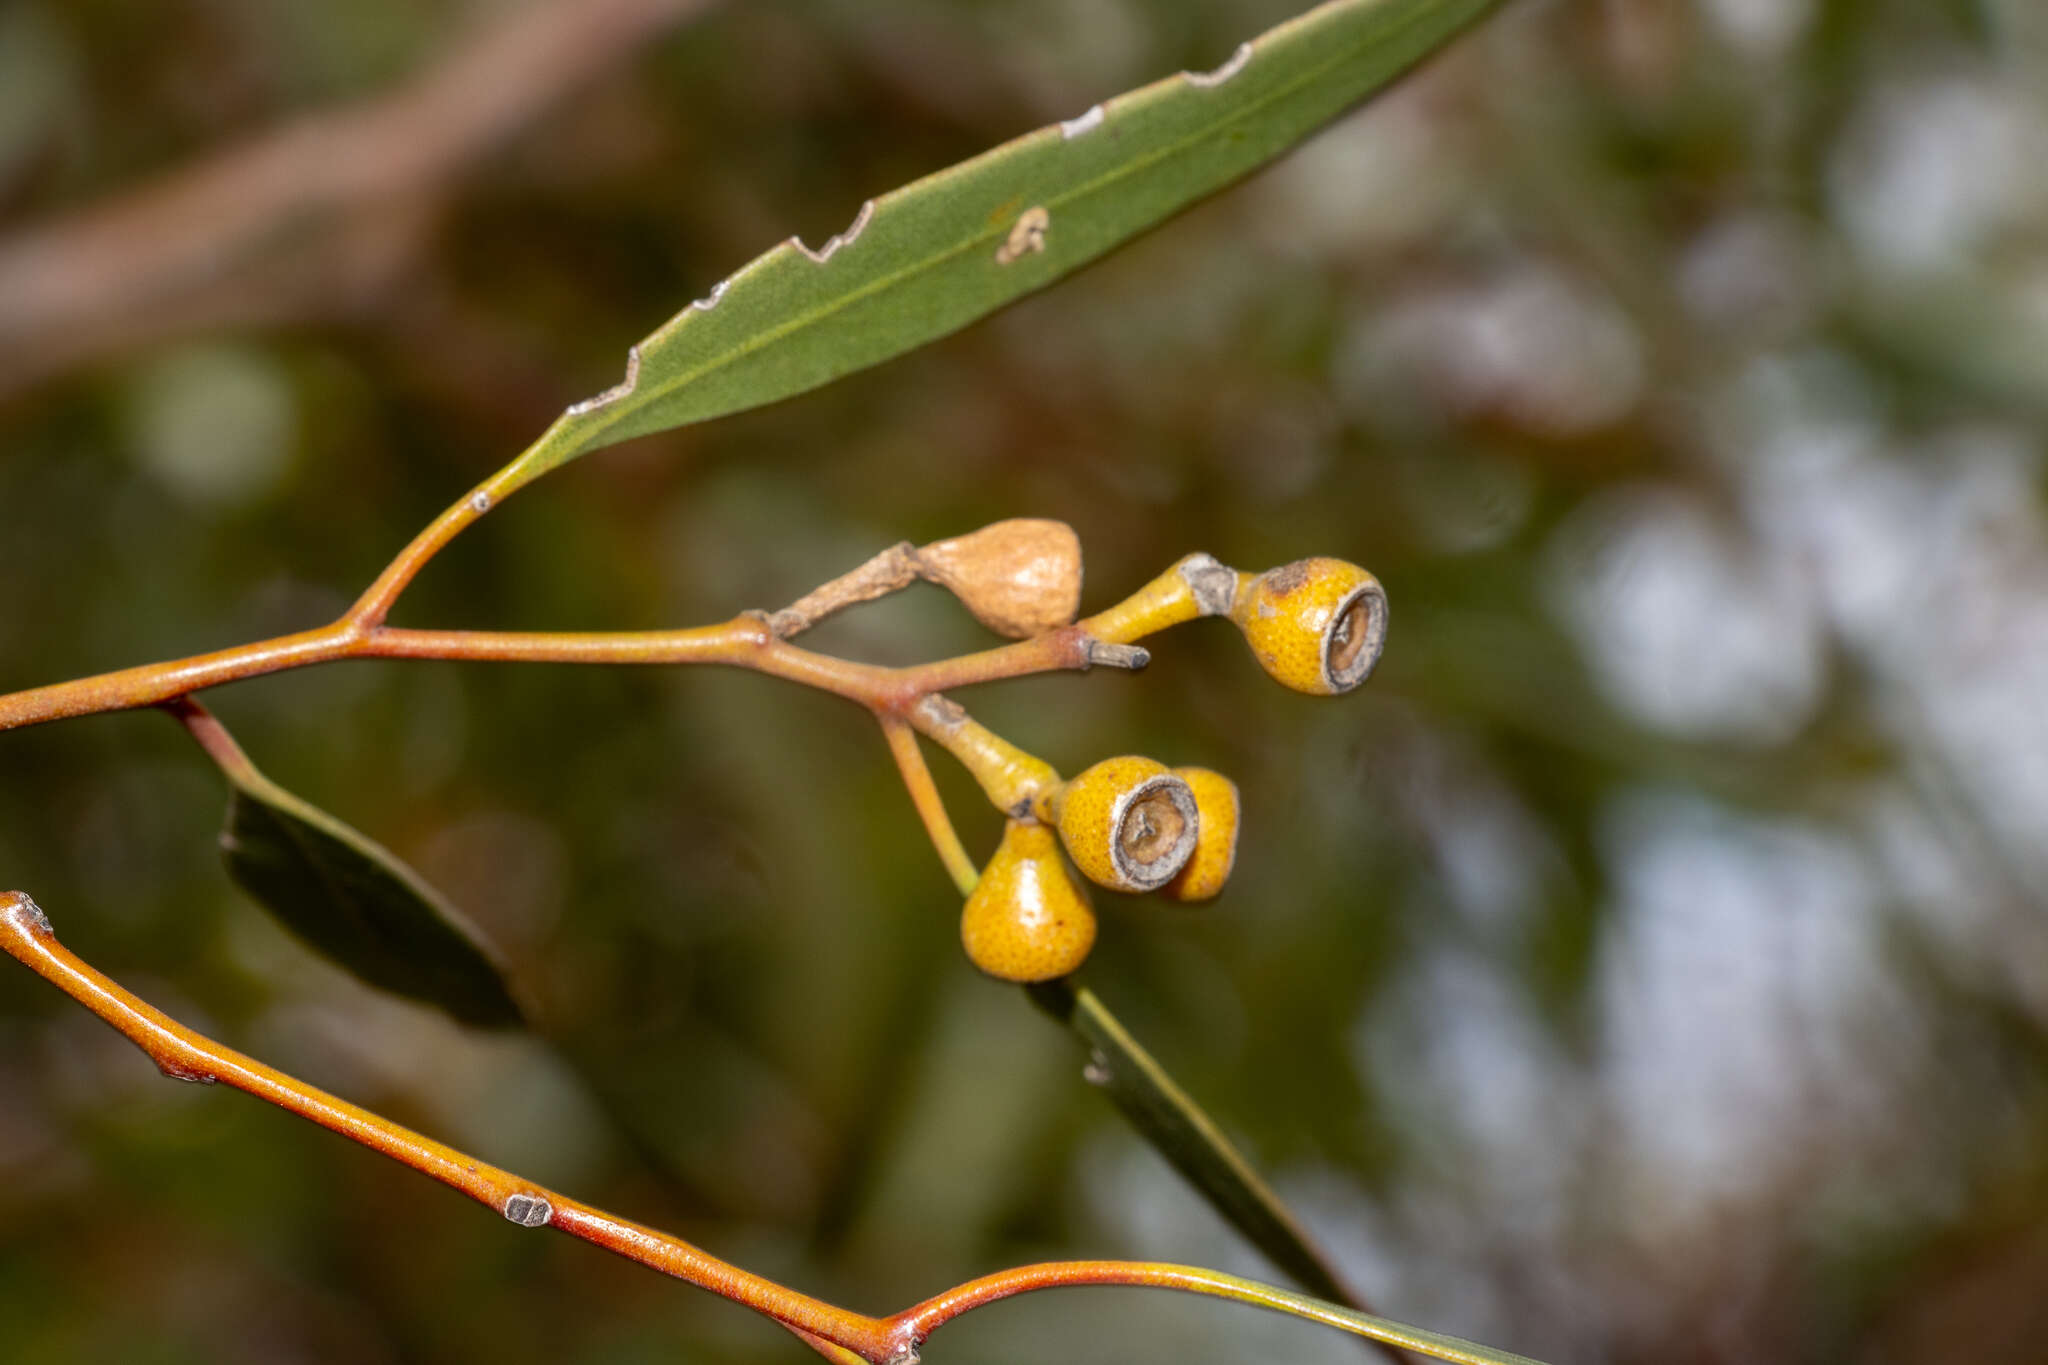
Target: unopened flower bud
point(1316, 625)
point(1128, 823)
point(1028, 918)
point(1208, 868)
point(1020, 577)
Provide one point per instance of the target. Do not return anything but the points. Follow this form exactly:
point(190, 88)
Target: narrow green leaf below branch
point(345, 895)
point(1188, 1138)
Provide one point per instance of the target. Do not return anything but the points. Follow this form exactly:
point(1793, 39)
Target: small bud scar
point(528, 1210)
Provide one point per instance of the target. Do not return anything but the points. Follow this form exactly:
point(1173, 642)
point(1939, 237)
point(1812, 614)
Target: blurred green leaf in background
point(345, 896)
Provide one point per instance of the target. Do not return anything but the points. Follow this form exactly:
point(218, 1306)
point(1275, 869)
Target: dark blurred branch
point(308, 220)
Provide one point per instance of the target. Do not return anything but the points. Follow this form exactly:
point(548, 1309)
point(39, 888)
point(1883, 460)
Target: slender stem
point(748, 641)
point(838, 1334)
point(737, 642)
point(936, 1312)
point(377, 600)
point(924, 1319)
point(743, 642)
point(1069, 647)
point(152, 684)
point(931, 808)
point(1017, 783)
point(1194, 585)
point(831, 1350)
point(185, 1055)
point(893, 569)
point(210, 735)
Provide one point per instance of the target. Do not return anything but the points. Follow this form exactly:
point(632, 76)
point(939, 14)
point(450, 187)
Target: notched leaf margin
point(1400, 22)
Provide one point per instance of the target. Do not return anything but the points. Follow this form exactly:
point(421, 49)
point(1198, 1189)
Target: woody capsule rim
point(1138, 824)
point(1355, 637)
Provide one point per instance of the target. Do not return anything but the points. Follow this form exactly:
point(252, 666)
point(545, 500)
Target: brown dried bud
point(1020, 577)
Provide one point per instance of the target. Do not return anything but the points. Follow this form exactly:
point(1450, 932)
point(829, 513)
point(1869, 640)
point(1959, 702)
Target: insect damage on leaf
point(1109, 173)
point(710, 300)
point(623, 389)
point(846, 238)
point(1085, 123)
point(1209, 79)
point(1027, 235)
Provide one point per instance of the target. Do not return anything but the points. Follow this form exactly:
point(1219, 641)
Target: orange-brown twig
point(838, 1334)
point(180, 1053)
point(924, 794)
point(743, 642)
point(905, 702)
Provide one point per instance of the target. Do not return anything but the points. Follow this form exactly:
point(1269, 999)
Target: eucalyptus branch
point(744, 642)
point(1127, 823)
point(182, 1054)
point(836, 1333)
point(913, 265)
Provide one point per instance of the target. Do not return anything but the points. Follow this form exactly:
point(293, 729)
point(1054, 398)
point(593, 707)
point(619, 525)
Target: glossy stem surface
point(931, 808)
point(836, 1333)
point(184, 1055)
point(743, 642)
point(934, 1313)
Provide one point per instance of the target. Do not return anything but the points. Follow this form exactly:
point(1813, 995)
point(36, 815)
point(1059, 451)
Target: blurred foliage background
point(1649, 964)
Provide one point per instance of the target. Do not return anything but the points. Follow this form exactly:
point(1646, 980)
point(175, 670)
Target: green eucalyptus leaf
point(355, 902)
point(937, 254)
point(348, 897)
point(1169, 1119)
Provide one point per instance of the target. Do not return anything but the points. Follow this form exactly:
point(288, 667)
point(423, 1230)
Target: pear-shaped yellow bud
point(1029, 918)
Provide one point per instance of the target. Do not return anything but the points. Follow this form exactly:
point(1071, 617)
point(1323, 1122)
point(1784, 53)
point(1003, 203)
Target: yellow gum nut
point(1316, 625)
point(1215, 843)
point(1029, 918)
point(1128, 823)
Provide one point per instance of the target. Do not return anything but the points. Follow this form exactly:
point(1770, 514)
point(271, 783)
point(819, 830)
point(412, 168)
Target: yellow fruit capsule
point(1215, 843)
point(1029, 918)
point(1316, 625)
point(1128, 823)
